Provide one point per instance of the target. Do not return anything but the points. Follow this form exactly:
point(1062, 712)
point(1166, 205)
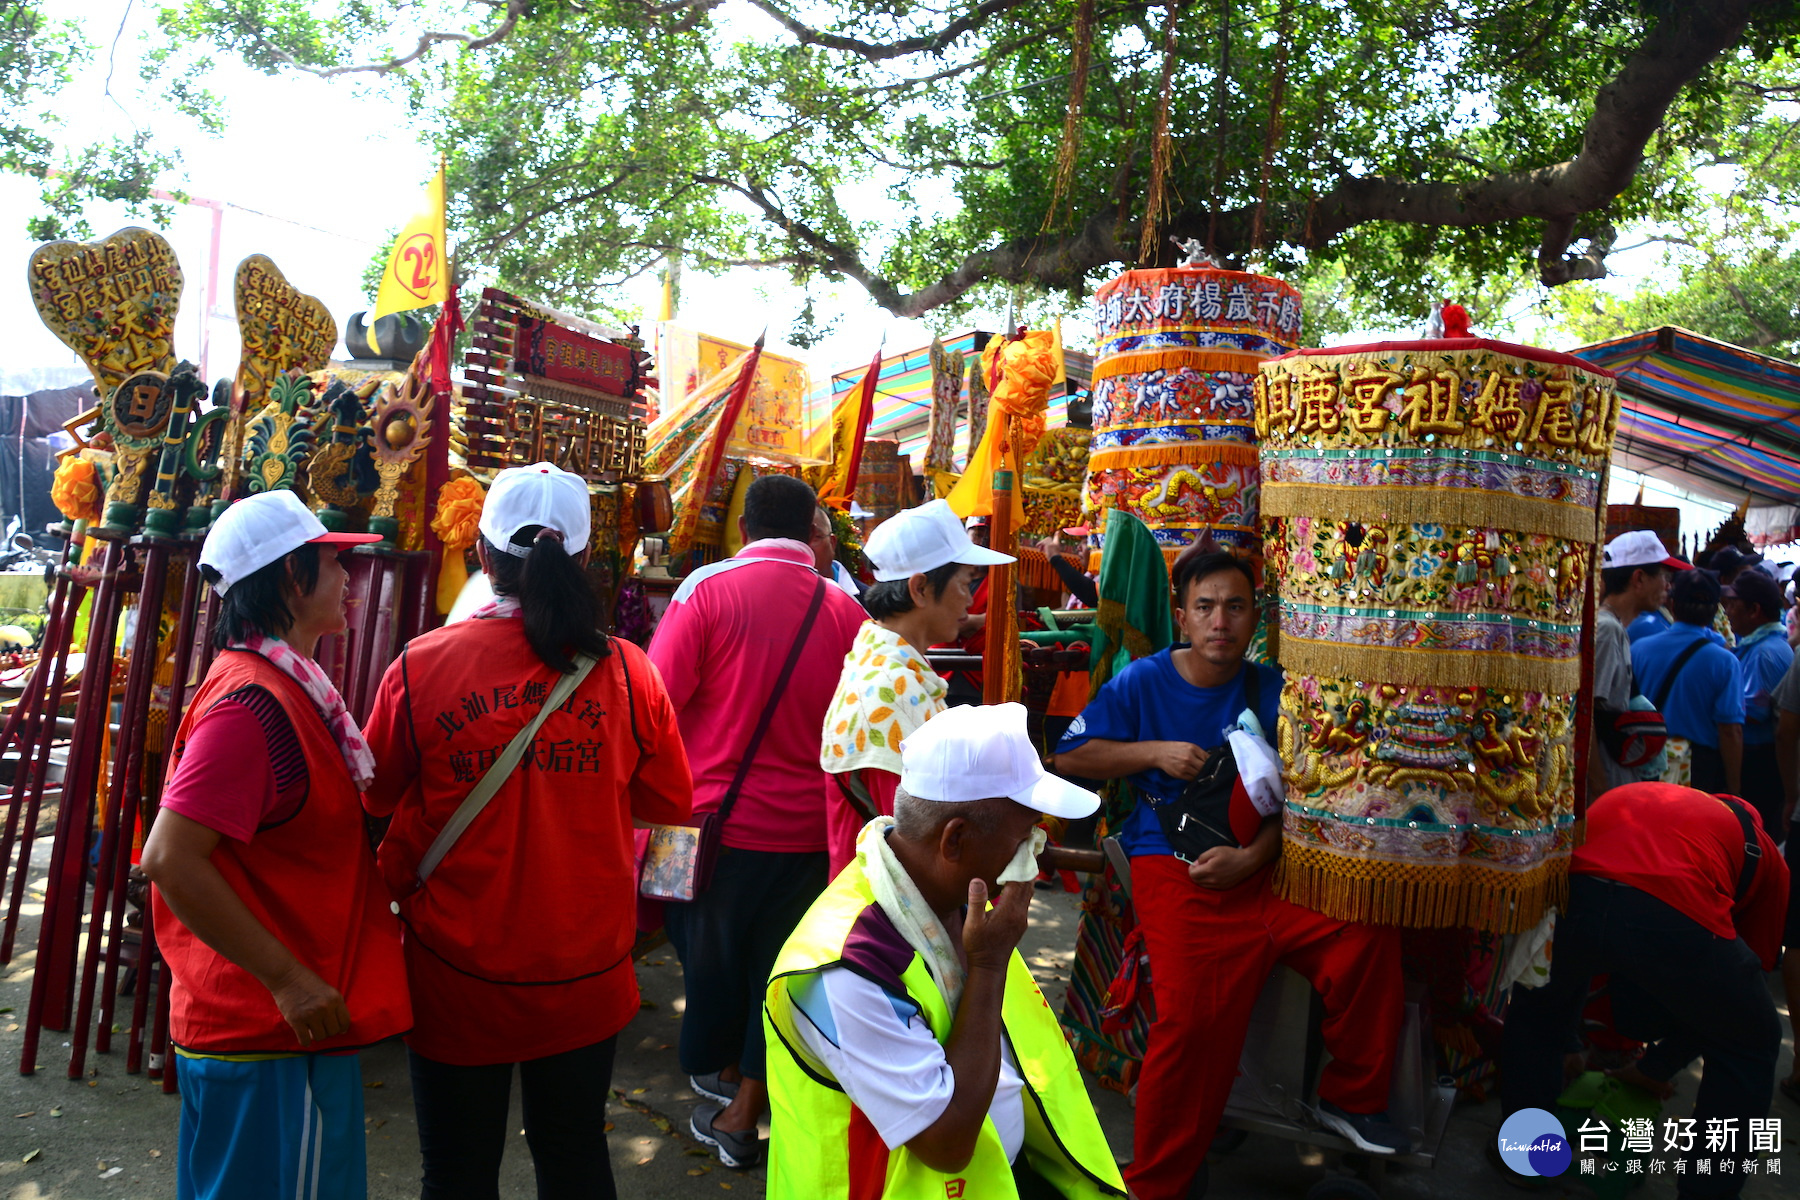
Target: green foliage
point(38, 56)
point(1730, 267)
point(896, 144)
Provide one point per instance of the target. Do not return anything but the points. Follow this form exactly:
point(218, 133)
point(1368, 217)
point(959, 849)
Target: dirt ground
point(116, 1133)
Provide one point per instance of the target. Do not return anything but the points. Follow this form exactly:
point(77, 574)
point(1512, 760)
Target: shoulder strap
point(1253, 689)
point(1662, 692)
point(775, 695)
point(1752, 850)
point(503, 767)
point(631, 702)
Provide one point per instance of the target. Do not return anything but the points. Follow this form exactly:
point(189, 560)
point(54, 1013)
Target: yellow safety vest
point(821, 1147)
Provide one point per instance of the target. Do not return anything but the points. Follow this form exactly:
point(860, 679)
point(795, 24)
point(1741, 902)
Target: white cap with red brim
point(980, 753)
point(262, 529)
point(1640, 548)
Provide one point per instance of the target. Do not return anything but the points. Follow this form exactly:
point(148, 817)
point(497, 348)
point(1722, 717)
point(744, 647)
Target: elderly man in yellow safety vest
point(911, 1054)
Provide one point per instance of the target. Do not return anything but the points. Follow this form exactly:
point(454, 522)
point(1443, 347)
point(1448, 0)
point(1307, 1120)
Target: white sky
point(318, 175)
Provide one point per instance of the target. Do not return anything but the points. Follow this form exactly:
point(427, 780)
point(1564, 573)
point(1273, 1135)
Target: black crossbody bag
point(1200, 818)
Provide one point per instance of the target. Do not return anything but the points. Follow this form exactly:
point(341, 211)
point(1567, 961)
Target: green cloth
point(1134, 598)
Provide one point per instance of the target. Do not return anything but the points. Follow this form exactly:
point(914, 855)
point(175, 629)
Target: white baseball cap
point(1640, 548)
point(541, 494)
point(977, 753)
point(262, 529)
point(922, 539)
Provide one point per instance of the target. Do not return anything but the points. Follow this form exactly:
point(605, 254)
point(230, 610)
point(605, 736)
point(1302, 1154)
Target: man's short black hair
point(1694, 599)
point(779, 506)
point(1614, 580)
point(1193, 566)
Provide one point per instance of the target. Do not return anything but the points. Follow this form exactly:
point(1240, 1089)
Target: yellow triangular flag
point(667, 310)
point(1062, 374)
point(418, 267)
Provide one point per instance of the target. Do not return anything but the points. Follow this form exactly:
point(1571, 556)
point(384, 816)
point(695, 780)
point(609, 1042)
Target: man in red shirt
point(721, 647)
point(1679, 896)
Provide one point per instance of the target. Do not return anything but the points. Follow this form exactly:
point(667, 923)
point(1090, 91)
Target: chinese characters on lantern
point(1212, 298)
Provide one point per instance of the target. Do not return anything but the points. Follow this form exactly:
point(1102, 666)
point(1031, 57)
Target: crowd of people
point(862, 850)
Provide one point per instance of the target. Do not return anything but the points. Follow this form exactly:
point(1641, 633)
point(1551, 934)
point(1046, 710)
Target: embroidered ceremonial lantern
point(1176, 358)
point(1435, 507)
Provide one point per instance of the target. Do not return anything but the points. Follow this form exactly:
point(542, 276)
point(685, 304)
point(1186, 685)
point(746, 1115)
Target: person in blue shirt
point(1697, 684)
point(1648, 623)
point(1753, 606)
point(1214, 927)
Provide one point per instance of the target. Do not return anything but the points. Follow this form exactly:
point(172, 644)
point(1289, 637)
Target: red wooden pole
point(52, 980)
point(29, 711)
point(108, 909)
point(44, 738)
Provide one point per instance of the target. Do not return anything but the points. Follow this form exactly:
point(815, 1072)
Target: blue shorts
point(275, 1129)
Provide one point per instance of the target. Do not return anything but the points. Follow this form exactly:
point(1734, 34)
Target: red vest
point(311, 881)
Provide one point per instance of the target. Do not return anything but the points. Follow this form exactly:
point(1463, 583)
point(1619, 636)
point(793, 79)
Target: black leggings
point(462, 1124)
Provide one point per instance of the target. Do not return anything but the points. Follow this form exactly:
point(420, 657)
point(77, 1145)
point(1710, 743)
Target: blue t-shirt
point(1648, 623)
point(1708, 693)
point(1765, 660)
point(1149, 701)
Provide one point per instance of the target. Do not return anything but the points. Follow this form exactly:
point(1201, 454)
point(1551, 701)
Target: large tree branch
point(881, 51)
point(254, 31)
point(1628, 111)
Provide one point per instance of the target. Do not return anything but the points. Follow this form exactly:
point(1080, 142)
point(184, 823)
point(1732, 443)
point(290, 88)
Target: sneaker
point(739, 1151)
point(711, 1087)
point(1370, 1132)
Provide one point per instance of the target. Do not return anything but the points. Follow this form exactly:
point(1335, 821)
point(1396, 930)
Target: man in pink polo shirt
point(722, 648)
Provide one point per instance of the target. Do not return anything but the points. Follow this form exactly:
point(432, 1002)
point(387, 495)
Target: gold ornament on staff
point(401, 420)
point(114, 303)
point(281, 436)
point(283, 330)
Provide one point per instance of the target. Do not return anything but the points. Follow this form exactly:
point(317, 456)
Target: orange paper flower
point(458, 513)
point(76, 489)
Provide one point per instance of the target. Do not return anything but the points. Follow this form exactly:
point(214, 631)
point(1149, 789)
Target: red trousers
point(1210, 953)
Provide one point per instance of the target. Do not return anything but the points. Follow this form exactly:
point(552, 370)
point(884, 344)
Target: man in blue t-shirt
point(1697, 684)
point(1753, 606)
point(1214, 928)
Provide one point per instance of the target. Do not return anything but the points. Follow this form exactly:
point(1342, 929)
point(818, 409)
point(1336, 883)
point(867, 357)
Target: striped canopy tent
point(903, 393)
point(1711, 417)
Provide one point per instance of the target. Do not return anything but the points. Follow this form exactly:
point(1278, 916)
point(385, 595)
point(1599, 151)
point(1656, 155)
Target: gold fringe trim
point(1112, 624)
point(1169, 553)
point(1134, 362)
point(1035, 571)
point(1420, 895)
point(1434, 505)
point(1189, 454)
point(1446, 668)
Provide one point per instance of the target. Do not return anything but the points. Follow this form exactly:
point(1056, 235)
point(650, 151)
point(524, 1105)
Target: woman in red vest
point(269, 912)
point(519, 935)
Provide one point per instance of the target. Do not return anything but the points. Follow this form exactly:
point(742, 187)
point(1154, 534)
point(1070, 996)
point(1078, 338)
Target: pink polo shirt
point(720, 648)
